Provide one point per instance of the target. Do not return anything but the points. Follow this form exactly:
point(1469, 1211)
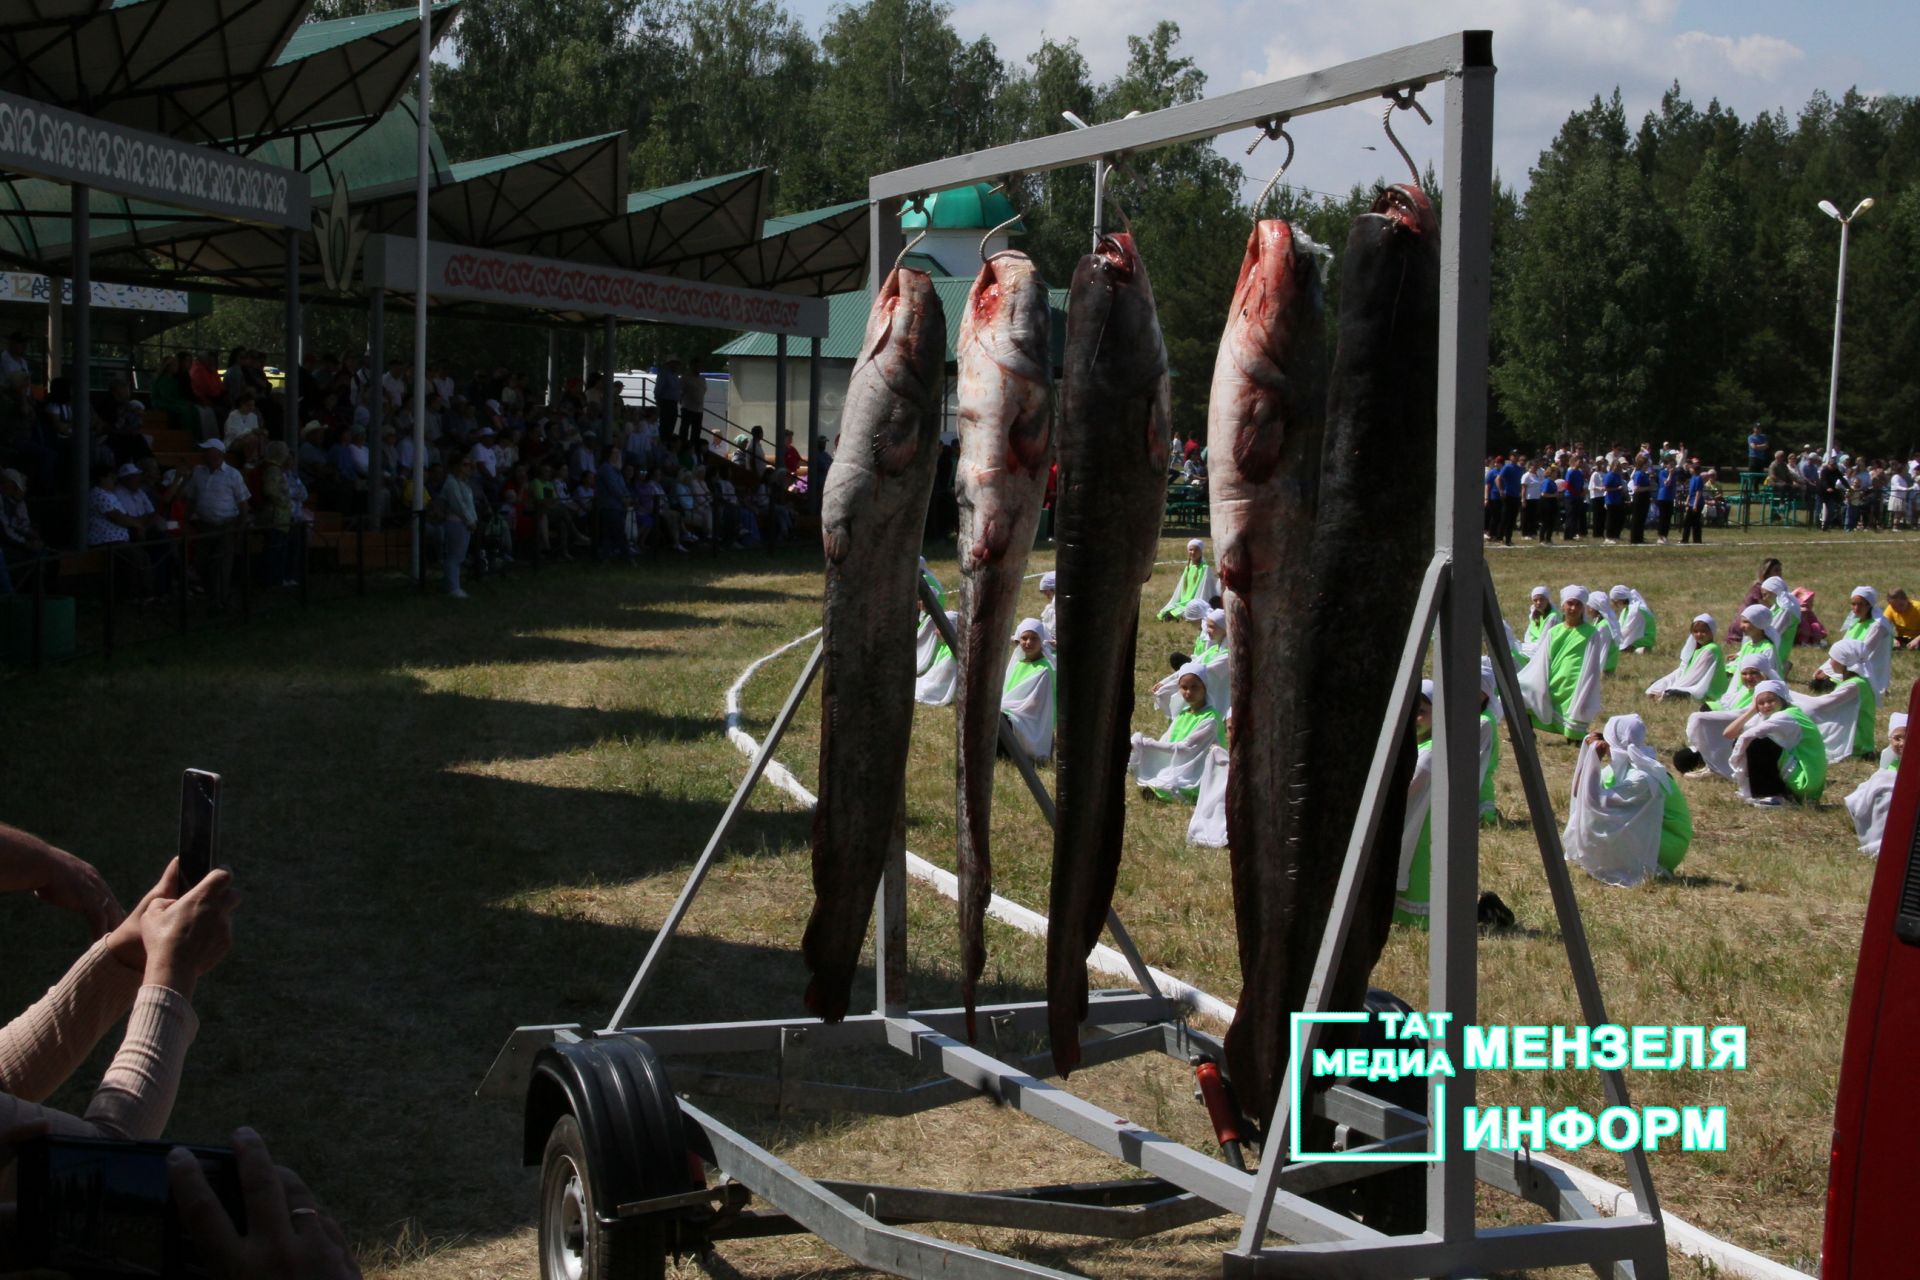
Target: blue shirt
point(1665, 492)
point(1510, 480)
point(1696, 493)
point(1640, 480)
point(1611, 483)
point(610, 488)
point(1493, 483)
point(1757, 444)
point(1576, 482)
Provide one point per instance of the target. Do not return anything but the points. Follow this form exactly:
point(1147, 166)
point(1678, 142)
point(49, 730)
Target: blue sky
point(1554, 55)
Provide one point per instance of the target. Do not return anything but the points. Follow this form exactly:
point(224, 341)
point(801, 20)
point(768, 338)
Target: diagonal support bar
point(1122, 940)
point(1566, 907)
point(698, 876)
point(1346, 895)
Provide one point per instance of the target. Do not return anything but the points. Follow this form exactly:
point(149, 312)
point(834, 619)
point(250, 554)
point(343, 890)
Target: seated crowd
point(506, 475)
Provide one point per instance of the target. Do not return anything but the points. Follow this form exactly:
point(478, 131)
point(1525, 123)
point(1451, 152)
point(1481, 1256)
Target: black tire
point(573, 1245)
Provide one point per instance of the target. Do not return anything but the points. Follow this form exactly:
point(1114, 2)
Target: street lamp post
point(1839, 306)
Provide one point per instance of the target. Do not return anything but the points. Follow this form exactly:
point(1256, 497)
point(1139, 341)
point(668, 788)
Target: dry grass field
point(453, 818)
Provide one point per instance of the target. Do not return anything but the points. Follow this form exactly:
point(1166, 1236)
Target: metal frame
point(1456, 604)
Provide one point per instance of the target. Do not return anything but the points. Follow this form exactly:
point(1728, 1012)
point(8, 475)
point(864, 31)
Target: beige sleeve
point(42, 1047)
point(136, 1095)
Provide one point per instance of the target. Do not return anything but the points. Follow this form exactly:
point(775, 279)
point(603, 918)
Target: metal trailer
point(635, 1170)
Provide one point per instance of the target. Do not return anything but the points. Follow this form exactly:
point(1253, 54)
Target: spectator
point(693, 405)
point(1699, 492)
point(613, 501)
point(23, 555)
point(217, 501)
point(666, 391)
point(243, 421)
point(143, 966)
point(153, 572)
point(461, 518)
point(1640, 489)
point(13, 361)
point(276, 499)
point(1904, 615)
point(1574, 486)
point(1757, 448)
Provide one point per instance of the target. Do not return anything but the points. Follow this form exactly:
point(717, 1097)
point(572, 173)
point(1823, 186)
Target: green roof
point(638, 201)
point(794, 221)
point(310, 38)
point(847, 324)
point(468, 170)
point(973, 208)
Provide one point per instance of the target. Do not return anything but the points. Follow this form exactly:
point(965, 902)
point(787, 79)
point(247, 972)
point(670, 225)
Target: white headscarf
point(1196, 544)
point(1193, 669)
point(1573, 591)
point(1778, 688)
point(1690, 678)
point(1034, 625)
point(1896, 722)
point(1490, 687)
point(1760, 618)
point(1868, 594)
point(1850, 654)
point(1196, 610)
point(1613, 832)
point(1539, 593)
point(1604, 607)
point(1775, 584)
point(1049, 582)
point(1707, 618)
point(1784, 602)
point(1218, 617)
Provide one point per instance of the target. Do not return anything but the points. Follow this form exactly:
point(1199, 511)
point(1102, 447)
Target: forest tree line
point(1670, 279)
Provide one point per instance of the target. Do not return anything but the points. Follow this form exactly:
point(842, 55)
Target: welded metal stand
point(1183, 1185)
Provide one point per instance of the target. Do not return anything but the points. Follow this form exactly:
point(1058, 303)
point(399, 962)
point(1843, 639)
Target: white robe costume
point(1705, 729)
point(1608, 622)
point(1633, 616)
point(1698, 665)
point(938, 672)
point(1524, 649)
point(1029, 705)
point(1584, 706)
point(1049, 585)
point(1867, 804)
point(1785, 608)
point(1878, 640)
point(1209, 585)
point(1165, 765)
point(1166, 694)
point(1613, 832)
point(1208, 826)
point(1836, 715)
point(1781, 728)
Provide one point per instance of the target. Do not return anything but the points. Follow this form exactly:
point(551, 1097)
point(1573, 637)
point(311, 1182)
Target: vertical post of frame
point(1465, 282)
point(80, 396)
point(376, 403)
point(884, 243)
point(290, 387)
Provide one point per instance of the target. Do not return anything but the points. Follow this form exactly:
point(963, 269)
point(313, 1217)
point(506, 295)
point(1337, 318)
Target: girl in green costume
point(1757, 635)
point(1026, 696)
point(1780, 602)
point(1701, 675)
point(1708, 750)
point(1561, 683)
point(1867, 804)
point(1196, 583)
point(1844, 717)
point(1777, 753)
point(1628, 820)
point(1172, 764)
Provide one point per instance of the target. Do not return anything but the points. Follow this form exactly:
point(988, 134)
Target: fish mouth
point(1116, 251)
point(1407, 205)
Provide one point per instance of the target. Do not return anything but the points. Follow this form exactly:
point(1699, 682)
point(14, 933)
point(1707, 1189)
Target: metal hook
point(1401, 100)
point(919, 203)
point(1279, 131)
point(1005, 184)
point(1114, 166)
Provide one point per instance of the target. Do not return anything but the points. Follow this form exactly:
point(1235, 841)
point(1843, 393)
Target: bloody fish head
point(898, 322)
point(1116, 251)
point(1409, 206)
point(1269, 275)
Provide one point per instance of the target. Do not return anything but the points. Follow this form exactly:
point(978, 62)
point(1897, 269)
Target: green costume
point(1488, 813)
point(1803, 766)
point(1735, 697)
point(1185, 725)
point(1863, 725)
point(1410, 904)
point(1747, 649)
point(1566, 658)
point(1676, 820)
point(1191, 578)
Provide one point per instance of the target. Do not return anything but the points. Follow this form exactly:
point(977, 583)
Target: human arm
point(1739, 724)
point(29, 864)
point(288, 1234)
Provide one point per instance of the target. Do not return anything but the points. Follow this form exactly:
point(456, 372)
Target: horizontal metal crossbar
point(1550, 1244)
point(1408, 68)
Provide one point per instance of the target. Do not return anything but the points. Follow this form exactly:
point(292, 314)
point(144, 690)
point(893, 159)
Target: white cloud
point(1761, 56)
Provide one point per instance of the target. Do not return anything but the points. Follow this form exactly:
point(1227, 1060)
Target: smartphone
point(199, 825)
point(96, 1207)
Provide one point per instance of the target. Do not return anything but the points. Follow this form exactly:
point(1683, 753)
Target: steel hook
point(1278, 132)
point(1401, 100)
point(1006, 185)
point(919, 203)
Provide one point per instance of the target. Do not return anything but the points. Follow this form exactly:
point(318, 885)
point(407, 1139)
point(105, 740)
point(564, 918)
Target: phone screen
point(98, 1208)
point(199, 822)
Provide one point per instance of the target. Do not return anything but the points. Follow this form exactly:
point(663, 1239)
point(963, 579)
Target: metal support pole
point(82, 395)
point(609, 399)
point(553, 364)
point(290, 388)
point(57, 328)
point(779, 390)
point(698, 876)
point(423, 162)
point(890, 921)
point(813, 408)
point(377, 405)
point(1839, 310)
point(1465, 286)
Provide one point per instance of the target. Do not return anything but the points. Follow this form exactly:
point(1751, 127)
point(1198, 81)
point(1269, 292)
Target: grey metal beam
point(290, 386)
point(1465, 289)
point(1550, 1244)
point(698, 876)
point(1295, 1218)
point(1355, 81)
point(81, 401)
point(852, 1231)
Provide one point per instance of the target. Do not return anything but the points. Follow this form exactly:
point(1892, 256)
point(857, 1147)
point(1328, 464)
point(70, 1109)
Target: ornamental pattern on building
point(72, 144)
point(628, 294)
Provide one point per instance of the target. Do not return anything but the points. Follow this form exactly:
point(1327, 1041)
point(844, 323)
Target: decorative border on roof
point(487, 275)
point(64, 146)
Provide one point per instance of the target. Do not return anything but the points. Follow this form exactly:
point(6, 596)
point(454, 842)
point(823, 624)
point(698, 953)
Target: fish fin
point(835, 539)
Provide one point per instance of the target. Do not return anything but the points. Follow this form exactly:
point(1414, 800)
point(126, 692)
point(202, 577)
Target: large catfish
point(1006, 448)
point(1115, 428)
point(872, 514)
point(1307, 534)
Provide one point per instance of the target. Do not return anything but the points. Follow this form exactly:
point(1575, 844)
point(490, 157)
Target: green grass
point(453, 819)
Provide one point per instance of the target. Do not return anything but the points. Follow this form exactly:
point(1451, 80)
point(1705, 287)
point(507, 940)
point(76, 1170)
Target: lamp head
point(1826, 207)
point(1860, 208)
point(1078, 123)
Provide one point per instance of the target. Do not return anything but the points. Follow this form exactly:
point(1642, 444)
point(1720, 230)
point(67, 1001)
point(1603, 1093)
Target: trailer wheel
point(574, 1245)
